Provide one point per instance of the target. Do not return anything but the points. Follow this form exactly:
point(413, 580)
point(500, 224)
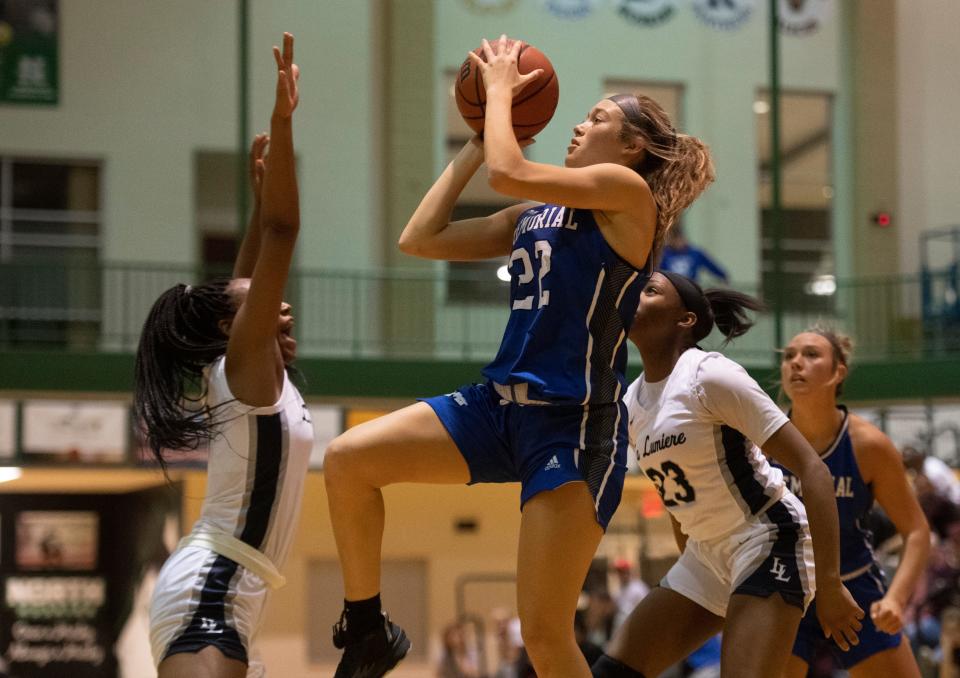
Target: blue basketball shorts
point(540, 446)
point(865, 589)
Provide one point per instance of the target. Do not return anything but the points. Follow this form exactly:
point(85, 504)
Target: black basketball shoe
point(371, 655)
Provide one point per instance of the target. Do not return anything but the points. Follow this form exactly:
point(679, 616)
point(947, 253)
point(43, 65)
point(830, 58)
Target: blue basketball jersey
point(572, 303)
point(854, 499)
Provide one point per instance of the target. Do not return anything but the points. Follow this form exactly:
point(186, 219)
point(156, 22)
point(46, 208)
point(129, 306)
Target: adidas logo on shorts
point(552, 464)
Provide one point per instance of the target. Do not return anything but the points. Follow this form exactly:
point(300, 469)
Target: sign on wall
point(29, 61)
point(802, 17)
point(647, 12)
point(723, 14)
point(76, 430)
point(55, 625)
point(57, 540)
point(8, 433)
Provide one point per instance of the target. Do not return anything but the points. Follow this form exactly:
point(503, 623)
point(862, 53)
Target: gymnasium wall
point(144, 85)
point(928, 99)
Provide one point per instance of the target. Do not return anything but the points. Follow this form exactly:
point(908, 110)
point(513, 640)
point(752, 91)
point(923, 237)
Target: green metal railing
point(437, 315)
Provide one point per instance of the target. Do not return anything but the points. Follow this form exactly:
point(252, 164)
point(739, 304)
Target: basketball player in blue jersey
point(749, 561)
point(865, 466)
point(231, 338)
point(550, 414)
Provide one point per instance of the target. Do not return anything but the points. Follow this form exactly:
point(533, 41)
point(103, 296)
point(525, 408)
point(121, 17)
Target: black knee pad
point(608, 667)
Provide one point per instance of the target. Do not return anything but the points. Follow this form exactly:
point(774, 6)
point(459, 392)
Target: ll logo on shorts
point(780, 570)
point(210, 625)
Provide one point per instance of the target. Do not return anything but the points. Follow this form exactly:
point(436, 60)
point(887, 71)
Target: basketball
point(533, 106)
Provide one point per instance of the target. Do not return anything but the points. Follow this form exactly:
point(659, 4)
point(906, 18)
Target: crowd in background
point(932, 619)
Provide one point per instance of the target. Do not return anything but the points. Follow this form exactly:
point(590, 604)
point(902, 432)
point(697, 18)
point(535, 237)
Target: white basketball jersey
point(692, 434)
point(257, 464)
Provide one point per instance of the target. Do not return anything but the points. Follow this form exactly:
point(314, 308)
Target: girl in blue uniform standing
point(550, 414)
point(865, 466)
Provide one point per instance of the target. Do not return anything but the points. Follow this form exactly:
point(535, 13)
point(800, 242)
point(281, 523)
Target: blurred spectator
point(599, 616)
point(950, 643)
point(509, 643)
point(940, 475)
point(591, 651)
point(457, 660)
point(704, 662)
point(631, 591)
point(679, 256)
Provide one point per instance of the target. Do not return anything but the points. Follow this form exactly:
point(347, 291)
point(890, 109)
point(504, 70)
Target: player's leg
point(795, 667)
point(896, 661)
point(758, 635)
point(209, 662)
point(409, 445)
point(663, 629)
point(559, 535)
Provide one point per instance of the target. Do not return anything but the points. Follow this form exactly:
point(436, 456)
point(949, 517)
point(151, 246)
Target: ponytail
point(180, 337)
point(677, 167)
point(729, 309)
point(678, 182)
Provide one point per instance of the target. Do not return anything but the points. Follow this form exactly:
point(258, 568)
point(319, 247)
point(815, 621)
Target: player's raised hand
point(499, 68)
point(288, 73)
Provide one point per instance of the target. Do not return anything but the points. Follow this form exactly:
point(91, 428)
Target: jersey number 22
point(542, 252)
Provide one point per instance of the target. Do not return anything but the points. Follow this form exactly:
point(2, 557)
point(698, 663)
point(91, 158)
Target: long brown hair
point(677, 167)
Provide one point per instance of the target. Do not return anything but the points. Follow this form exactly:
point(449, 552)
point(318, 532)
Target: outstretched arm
point(837, 611)
point(883, 468)
point(430, 233)
point(254, 364)
point(712, 266)
point(250, 247)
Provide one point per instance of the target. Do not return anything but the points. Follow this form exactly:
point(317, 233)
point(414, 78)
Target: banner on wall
point(570, 9)
point(8, 433)
point(57, 540)
point(490, 6)
point(29, 62)
point(647, 12)
point(802, 17)
point(724, 14)
point(75, 430)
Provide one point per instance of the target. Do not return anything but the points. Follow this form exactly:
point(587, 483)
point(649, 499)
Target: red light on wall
point(882, 219)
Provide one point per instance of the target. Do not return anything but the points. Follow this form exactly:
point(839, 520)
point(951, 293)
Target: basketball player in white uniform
point(747, 561)
point(234, 335)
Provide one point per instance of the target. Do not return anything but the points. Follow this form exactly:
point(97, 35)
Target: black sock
point(363, 616)
point(608, 667)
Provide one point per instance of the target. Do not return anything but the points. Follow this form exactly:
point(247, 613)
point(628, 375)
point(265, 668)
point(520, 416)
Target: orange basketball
point(533, 106)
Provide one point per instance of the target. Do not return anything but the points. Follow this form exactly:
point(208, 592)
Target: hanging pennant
point(647, 12)
point(724, 14)
point(570, 9)
point(802, 17)
point(489, 6)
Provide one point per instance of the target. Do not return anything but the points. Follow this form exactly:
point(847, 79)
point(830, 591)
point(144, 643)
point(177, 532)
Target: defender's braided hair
point(180, 337)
